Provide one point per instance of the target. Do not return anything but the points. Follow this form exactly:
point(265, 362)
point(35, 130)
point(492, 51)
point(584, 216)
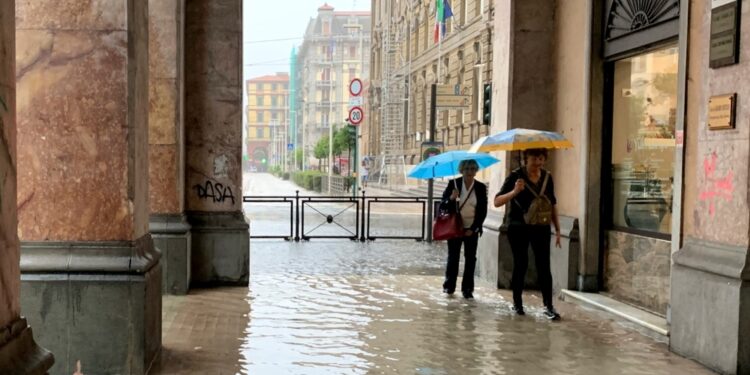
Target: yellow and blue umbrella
point(520, 139)
point(446, 164)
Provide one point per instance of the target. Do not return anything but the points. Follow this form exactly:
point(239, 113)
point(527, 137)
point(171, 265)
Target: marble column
point(521, 97)
point(710, 280)
point(213, 141)
point(19, 354)
point(91, 279)
point(169, 227)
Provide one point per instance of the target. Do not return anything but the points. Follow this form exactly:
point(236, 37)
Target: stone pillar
point(710, 281)
point(91, 279)
point(213, 141)
point(169, 227)
point(19, 354)
point(521, 98)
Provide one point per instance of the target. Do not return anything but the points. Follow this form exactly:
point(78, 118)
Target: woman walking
point(530, 195)
point(468, 197)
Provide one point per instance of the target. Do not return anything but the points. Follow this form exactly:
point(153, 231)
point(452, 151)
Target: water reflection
point(348, 308)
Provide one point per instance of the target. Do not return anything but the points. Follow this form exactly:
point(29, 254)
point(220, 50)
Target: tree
point(298, 154)
point(321, 149)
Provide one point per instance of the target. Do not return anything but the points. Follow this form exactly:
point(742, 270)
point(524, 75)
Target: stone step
point(643, 318)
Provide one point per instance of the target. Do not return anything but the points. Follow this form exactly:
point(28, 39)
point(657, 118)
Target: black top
point(480, 190)
point(520, 204)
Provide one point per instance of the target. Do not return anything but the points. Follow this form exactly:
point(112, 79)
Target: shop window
point(644, 108)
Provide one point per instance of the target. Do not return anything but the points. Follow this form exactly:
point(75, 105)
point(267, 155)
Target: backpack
point(540, 210)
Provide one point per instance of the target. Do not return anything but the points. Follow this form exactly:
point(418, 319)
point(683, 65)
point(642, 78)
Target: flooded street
point(343, 307)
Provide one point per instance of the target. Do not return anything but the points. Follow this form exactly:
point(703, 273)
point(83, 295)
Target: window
point(259, 101)
point(644, 108)
point(326, 28)
point(274, 101)
point(274, 116)
point(274, 87)
point(259, 87)
point(352, 72)
point(352, 51)
point(259, 132)
point(260, 117)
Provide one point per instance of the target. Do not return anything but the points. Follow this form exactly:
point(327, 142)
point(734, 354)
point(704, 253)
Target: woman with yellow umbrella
point(529, 192)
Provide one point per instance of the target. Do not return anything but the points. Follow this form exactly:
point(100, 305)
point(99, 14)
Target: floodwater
point(343, 307)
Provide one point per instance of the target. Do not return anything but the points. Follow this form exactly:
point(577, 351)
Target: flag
point(442, 13)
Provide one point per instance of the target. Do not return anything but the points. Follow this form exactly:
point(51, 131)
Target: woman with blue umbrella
point(464, 196)
point(469, 197)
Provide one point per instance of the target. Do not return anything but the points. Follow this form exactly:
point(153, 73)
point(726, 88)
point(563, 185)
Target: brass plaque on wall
point(724, 49)
point(721, 112)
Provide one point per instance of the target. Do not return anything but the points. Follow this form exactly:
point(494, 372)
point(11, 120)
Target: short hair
point(467, 163)
point(535, 152)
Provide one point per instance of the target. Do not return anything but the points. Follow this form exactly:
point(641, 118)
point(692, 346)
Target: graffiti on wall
point(715, 187)
point(216, 192)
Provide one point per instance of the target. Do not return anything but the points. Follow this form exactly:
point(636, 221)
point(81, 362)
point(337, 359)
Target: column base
point(220, 248)
point(19, 354)
point(94, 302)
point(171, 234)
point(710, 306)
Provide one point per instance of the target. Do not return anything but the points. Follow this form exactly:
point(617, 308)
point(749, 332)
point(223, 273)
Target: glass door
point(644, 113)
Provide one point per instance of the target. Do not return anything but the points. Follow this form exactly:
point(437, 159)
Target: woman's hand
point(520, 185)
point(557, 240)
point(454, 195)
point(468, 232)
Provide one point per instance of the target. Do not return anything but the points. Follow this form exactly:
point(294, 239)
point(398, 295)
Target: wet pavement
point(343, 307)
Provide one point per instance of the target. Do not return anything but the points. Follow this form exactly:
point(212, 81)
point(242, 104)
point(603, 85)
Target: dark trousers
point(470, 262)
point(538, 236)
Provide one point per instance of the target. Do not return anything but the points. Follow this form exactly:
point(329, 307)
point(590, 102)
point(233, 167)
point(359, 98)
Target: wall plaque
point(721, 111)
point(725, 33)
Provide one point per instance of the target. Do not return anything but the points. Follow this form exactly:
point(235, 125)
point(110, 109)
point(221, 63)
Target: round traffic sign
point(356, 115)
point(355, 87)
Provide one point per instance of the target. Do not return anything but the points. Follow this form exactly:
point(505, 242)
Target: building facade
point(653, 196)
point(462, 58)
point(267, 120)
point(335, 50)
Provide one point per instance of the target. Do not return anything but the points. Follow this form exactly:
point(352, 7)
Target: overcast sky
point(280, 19)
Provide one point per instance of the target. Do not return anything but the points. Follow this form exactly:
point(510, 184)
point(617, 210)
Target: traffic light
point(352, 133)
point(487, 104)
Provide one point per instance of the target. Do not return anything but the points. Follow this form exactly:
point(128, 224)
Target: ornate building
point(267, 125)
point(405, 62)
point(335, 50)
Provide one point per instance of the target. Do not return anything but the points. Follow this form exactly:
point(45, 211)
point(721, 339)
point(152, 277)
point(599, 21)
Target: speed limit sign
point(356, 115)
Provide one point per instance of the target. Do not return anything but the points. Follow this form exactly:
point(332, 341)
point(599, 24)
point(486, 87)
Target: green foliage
point(344, 139)
point(321, 148)
point(300, 155)
point(309, 180)
point(275, 170)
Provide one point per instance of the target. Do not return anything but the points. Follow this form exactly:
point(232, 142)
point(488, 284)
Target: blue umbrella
point(446, 164)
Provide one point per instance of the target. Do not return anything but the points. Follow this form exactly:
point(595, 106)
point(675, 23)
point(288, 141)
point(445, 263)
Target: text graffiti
point(214, 191)
point(715, 187)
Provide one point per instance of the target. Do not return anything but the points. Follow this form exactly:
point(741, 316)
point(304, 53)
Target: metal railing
point(330, 212)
